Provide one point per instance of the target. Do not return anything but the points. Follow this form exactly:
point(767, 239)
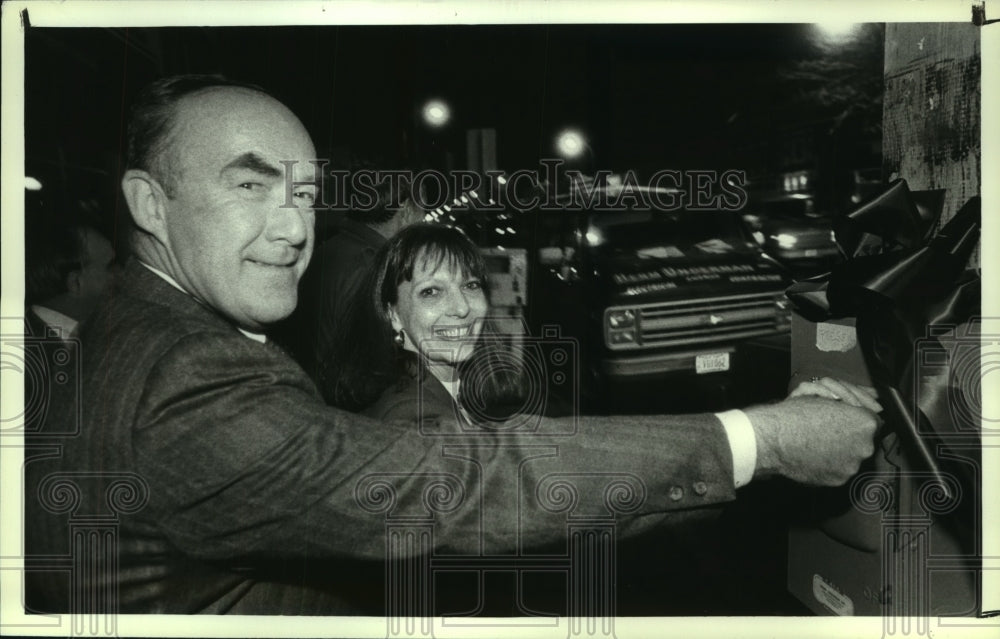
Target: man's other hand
point(812, 440)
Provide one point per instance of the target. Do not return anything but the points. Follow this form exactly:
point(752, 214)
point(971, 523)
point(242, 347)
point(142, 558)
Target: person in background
point(68, 268)
point(340, 265)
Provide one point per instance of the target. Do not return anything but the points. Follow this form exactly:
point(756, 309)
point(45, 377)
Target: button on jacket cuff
point(743, 444)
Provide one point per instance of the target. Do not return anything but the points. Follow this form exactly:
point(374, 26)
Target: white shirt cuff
point(742, 443)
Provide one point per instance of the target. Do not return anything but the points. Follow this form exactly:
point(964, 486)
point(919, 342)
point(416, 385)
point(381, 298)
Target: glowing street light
point(571, 144)
point(436, 113)
point(836, 32)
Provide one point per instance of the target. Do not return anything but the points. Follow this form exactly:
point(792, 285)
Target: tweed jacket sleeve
point(242, 459)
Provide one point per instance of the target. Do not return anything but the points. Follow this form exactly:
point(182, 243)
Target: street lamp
point(571, 144)
point(436, 113)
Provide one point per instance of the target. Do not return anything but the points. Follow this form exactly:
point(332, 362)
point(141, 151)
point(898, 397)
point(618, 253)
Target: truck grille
point(703, 321)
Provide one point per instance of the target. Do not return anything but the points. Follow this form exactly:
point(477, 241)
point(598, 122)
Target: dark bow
point(912, 297)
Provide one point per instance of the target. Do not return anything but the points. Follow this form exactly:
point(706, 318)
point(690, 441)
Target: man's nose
point(289, 224)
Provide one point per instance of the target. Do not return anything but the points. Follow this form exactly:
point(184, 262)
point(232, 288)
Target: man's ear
point(147, 201)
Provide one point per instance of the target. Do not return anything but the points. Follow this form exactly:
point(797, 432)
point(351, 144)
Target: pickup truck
point(653, 294)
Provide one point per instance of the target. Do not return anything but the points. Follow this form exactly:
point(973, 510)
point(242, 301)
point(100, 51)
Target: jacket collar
point(141, 283)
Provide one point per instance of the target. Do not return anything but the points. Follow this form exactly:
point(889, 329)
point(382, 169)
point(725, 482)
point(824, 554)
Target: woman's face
point(441, 311)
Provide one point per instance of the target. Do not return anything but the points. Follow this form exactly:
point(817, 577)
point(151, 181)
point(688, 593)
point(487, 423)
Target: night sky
point(647, 96)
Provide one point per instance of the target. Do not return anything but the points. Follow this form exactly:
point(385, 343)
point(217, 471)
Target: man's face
point(231, 244)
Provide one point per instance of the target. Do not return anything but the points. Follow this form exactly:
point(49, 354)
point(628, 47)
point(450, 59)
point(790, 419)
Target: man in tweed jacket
point(245, 493)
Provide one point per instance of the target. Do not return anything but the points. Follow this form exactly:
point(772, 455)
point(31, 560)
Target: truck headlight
point(621, 319)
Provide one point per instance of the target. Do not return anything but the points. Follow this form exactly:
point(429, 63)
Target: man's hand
point(831, 388)
point(812, 440)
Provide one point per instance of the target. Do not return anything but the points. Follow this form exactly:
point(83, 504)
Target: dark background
point(647, 97)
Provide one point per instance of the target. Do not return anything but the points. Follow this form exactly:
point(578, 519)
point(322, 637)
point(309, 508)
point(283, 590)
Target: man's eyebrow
point(255, 163)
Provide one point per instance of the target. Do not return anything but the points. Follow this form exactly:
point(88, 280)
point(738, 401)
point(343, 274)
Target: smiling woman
point(418, 328)
point(437, 311)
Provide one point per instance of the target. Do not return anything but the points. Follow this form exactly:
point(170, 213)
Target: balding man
point(253, 487)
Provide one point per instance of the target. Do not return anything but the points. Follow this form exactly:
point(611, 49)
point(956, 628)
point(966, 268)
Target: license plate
point(711, 363)
point(812, 252)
